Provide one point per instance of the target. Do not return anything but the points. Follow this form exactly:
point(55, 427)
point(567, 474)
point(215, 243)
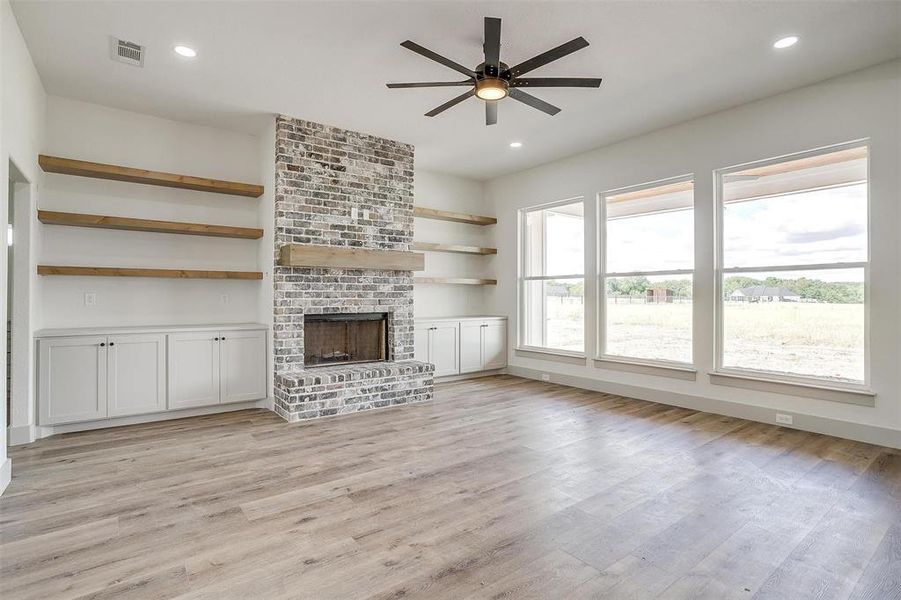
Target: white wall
point(21, 128)
point(447, 192)
point(266, 254)
point(864, 104)
point(96, 133)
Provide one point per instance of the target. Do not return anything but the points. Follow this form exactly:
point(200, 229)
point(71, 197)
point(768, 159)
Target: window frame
point(522, 279)
point(603, 275)
point(721, 271)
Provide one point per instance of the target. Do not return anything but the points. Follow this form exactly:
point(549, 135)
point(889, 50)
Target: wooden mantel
point(303, 255)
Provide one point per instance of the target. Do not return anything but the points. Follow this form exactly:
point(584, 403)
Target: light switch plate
point(90, 299)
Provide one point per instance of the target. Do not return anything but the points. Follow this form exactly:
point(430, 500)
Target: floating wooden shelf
point(430, 247)
point(303, 255)
point(455, 280)
point(81, 168)
point(128, 224)
point(445, 215)
point(131, 272)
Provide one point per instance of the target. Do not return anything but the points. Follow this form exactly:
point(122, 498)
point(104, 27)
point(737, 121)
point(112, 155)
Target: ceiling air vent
point(127, 52)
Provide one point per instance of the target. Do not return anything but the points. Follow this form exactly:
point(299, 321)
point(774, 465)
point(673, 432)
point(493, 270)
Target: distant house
point(764, 293)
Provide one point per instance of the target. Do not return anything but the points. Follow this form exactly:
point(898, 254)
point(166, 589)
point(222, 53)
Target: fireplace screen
point(344, 338)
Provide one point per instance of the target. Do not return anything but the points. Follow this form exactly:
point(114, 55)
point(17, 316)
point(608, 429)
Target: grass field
point(822, 340)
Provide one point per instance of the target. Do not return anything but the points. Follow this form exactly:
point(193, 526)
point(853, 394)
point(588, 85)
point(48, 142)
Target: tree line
point(834, 292)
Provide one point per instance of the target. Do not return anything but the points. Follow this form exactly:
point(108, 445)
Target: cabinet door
point(470, 346)
point(494, 345)
point(446, 348)
point(193, 369)
point(72, 379)
point(136, 374)
point(242, 365)
point(421, 344)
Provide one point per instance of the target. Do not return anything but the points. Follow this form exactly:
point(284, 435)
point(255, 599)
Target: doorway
point(19, 363)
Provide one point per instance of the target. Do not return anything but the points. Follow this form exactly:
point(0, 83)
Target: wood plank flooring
point(500, 488)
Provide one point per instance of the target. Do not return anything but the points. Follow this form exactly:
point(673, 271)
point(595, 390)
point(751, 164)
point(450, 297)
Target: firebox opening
point(343, 338)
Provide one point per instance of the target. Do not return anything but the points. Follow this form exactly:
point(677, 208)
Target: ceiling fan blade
point(491, 113)
point(437, 58)
point(425, 84)
point(451, 103)
point(549, 56)
point(587, 82)
point(492, 45)
point(518, 94)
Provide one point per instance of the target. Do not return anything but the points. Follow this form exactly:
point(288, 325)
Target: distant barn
point(659, 295)
point(764, 293)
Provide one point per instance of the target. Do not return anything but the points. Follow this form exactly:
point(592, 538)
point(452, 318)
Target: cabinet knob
point(112, 343)
point(222, 338)
point(102, 344)
point(215, 339)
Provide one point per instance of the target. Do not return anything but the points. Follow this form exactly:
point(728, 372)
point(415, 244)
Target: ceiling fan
point(493, 80)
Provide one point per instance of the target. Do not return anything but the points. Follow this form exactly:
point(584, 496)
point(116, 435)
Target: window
point(552, 279)
point(793, 266)
point(647, 237)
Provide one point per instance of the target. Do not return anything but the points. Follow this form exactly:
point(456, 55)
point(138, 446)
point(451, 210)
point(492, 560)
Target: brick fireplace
point(341, 188)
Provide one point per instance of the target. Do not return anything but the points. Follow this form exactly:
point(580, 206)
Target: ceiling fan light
point(491, 88)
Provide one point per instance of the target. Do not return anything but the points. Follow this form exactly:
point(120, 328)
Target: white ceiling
point(662, 63)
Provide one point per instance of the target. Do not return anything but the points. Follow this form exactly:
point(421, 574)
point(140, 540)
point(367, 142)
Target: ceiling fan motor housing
point(494, 80)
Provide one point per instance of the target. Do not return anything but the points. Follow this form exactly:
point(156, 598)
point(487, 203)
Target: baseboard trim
point(871, 434)
point(20, 434)
point(43, 432)
point(464, 376)
point(6, 474)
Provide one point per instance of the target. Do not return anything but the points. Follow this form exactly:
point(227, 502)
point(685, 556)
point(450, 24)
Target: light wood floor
point(500, 488)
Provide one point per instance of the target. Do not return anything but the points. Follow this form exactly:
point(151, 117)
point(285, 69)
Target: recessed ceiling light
point(185, 51)
point(786, 42)
point(516, 144)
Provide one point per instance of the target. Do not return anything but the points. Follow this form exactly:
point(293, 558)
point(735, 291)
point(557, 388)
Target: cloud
point(815, 227)
point(841, 231)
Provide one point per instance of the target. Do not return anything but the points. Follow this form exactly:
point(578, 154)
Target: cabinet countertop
point(466, 318)
point(75, 331)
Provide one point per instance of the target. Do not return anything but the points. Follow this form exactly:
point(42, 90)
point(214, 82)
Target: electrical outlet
point(90, 299)
point(354, 213)
point(784, 419)
point(545, 377)
point(366, 214)
point(224, 298)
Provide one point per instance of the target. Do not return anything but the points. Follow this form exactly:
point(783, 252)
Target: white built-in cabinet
point(242, 366)
point(438, 343)
point(193, 369)
point(136, 374)
point(216, 367)
point(72, 384)
point(89, 377)
point(461, 345)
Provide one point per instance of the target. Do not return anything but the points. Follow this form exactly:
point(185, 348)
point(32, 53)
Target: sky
point(566, 243)
point(822, 226)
